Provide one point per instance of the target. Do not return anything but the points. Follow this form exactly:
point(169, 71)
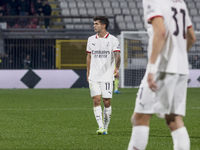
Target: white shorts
point(170, 97)
point(101, 88)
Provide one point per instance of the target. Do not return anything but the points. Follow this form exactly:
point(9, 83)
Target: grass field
point(63, 119)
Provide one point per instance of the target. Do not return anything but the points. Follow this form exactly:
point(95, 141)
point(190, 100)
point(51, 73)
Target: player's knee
point(174, 121)
point(140, 119)
point(171, 123)
point(97, 101)
point(107, 102)
point(133, 121)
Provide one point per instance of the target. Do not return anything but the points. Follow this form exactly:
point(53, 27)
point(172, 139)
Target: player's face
point(98, 26)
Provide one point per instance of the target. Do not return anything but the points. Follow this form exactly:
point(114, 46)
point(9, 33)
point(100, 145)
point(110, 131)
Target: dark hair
point(102, 20)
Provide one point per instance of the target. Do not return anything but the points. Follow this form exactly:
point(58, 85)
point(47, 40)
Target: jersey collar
point(106, 36)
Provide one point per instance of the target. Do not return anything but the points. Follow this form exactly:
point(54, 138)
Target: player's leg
point(107, 112)
point(179, 132)
point(175, 119)
point(98, 110)
point(144, 108)
point(140, 131)
point(95, 92)
point(107, 90)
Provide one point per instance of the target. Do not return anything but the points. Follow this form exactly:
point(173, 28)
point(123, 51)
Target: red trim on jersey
point(189, 26)
point(116, 50)
point(150, 19)
point(106, 35)
point(88, 51)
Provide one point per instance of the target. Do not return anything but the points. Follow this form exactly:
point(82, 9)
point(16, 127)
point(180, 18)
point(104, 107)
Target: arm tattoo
point(117, 59)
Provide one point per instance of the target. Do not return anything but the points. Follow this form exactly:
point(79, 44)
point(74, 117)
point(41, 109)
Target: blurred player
point(164, 86)
point(103, 55)
point(116, 84)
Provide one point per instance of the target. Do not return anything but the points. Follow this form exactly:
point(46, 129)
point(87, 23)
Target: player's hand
point(151, 82)
point(116, 73)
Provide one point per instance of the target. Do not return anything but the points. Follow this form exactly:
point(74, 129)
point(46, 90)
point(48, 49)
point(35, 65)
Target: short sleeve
point(151, 10)
point(116, 45)
point(188, 20)
point(88, 46)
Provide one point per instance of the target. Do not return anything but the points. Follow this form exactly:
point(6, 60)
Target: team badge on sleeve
point(149, 9)
point(118, 46)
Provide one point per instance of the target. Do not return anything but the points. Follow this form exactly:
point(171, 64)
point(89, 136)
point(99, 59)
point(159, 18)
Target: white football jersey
point(102, 57)
point(173, 58)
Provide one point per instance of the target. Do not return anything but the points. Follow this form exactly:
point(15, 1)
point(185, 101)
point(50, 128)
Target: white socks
point(98, 115)
point(139, 138)
point(107, 114)
point(181, 139)
point(140, 135)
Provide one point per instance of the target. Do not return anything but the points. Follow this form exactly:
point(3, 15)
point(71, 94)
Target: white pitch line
point(45, 109)
point(52, 109)
point(195, 107)
point(66, 109)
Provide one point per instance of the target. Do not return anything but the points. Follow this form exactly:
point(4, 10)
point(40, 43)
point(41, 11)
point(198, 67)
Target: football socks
point(107, 115)
point(139, 138)
point(181, 139)
point(98, 115)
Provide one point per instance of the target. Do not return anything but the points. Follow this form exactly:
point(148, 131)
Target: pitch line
point(65, 109)
point(43, 109)
point(195, 107)
point(51, 109)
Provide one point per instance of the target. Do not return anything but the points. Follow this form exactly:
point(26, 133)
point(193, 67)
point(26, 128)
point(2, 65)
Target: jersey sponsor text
point(100, 53)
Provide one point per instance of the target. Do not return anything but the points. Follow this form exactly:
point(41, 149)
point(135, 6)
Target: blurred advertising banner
point(40, 79)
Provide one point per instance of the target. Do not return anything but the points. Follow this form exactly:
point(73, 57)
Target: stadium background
point(62, 45)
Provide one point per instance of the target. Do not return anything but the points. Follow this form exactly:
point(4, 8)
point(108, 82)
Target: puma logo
point(142, 105)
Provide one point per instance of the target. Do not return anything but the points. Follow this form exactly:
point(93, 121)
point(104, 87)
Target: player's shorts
point(169, 98)
point(101, 88)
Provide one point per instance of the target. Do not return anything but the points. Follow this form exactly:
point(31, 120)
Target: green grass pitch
point(63, 119)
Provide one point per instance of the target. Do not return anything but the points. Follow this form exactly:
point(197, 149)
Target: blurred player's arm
point(191, 38)
point(88, 60)
point(158, 39)
point(158, 43)
point(117, 63)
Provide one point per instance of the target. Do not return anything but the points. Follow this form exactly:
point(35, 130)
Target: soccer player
point(116, 83)
point(103, 55)
point(164, 86)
